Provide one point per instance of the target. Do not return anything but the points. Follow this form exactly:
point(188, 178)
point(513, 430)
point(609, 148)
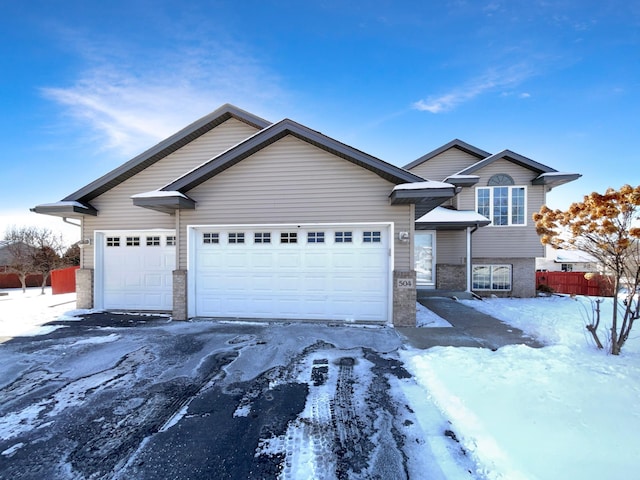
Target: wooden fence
point(11, 280)
point(63, 280)
point(576, 283)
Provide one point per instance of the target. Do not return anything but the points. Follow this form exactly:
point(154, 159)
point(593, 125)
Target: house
point(237, 217)
point(562, 260)
point(499, 192)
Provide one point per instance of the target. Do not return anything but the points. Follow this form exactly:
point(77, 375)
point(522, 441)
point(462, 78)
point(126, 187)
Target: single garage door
point(136, 269)
point(310, 272)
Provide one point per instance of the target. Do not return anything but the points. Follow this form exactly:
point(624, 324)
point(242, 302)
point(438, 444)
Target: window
point(153, 241)
point(288, 237)
point(344, 237)
point(210, 238)
point(315, 237)
point(371, 237)
point(503, 205)
point(567, 267)
point(262, 237)
point(113, 241)
point(133, 241)
point(491, 277)
point(171, 241)
point(236, 237)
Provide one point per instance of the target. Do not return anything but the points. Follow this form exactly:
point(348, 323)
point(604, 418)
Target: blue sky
point(86, 85)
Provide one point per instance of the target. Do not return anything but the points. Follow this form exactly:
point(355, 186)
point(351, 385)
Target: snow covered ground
point(563, 411)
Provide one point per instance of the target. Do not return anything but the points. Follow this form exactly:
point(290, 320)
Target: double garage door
point(290, 272)
point(313, 272)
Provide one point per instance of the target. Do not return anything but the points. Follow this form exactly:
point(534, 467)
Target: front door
point(425, 258)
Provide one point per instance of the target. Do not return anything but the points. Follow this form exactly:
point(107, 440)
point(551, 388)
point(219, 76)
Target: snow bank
point(563, 411)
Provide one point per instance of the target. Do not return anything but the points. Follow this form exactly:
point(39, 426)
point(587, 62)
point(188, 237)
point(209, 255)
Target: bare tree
point(605, 226)
point(37, 250)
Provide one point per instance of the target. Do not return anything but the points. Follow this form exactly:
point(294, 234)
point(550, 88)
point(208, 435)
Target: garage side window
point(133, 241)
point(113, 241)
point(315, 237)
point(371, 237)
point(153, 241)
point(344, 237)
point(209, 238)
point(171, 241)
point(236, 237)
point(262, 237)
point(288, 237)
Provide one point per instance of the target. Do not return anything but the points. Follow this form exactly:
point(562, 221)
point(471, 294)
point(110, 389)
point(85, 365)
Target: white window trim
point(510, 187)
point(492, 266)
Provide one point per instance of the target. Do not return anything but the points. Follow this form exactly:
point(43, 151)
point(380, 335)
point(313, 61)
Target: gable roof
point(512, 157)
point(164, 148)
point(275, 132)
point(455, 143)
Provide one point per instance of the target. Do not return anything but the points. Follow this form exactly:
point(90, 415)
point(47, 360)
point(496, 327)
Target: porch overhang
point(441, 218)
point(65, 209)
point(164, 201)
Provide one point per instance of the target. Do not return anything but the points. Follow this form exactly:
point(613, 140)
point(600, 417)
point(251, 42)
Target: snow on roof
point(446, 215)
point(64, 203)
point(422, 185)
point(159, 193)
point(573, 256)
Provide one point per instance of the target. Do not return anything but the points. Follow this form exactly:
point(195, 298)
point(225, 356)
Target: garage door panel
point(136, 277)
point(323, 280)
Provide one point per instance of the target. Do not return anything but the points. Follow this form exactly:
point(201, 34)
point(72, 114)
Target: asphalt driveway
point(120, 396)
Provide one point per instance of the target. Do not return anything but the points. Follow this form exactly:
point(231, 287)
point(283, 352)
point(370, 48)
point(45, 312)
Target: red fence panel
point(11, 280)
point(63, 280)
point(576, 283)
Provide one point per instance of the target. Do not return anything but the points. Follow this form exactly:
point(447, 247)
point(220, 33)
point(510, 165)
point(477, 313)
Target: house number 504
point(404, 283)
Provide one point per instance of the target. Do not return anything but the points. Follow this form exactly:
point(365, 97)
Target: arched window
point(500, 179)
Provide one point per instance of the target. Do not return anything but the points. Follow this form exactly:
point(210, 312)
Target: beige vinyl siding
point(447, 163)
point(115, 207)
point(505, 241)
point(451, 247)
point(292, 181)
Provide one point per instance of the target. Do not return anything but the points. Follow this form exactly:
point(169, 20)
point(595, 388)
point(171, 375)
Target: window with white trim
point(503, 205)
point(209, 238)
point(171, 240)
point(315, 237)
point(371, 237)
point(288, 237)
point(491, 277)
point(133, 241)
point(262, 237)
point(113, 241)
point(236, 237)
point(343, 237)
point(153, 241)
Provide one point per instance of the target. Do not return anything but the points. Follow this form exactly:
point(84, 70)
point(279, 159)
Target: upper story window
point(502, 202)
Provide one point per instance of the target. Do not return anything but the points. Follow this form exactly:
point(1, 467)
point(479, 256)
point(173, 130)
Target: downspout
point(470, 232)
point(66, 220)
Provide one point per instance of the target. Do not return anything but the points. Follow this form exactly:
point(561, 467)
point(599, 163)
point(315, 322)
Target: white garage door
point(136, 271)
point(291, 272)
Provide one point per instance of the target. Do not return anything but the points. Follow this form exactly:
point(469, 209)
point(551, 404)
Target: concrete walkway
point(471, 328)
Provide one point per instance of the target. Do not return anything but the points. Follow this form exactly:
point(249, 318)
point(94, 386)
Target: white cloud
point(491, 81)
point(130, 104)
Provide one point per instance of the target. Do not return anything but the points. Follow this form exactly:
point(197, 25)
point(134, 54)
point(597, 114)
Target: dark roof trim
point(274, 133)
point(510, 156)
point(555, 179)
point(65, 209)
point(459, 144)
point(165, 204)
point(164, 148)
point(462, 180)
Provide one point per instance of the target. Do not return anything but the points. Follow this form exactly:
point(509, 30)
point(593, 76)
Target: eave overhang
point(463, 180)
point(164, 202)
point(441, 218)
point(554, 179)
point(65, 209)
point(425, 195)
